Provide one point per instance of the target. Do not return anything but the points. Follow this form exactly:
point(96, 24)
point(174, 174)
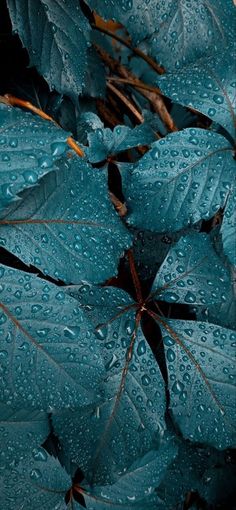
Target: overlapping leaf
point(49, 355)
point(192, 273)
point(186, 31)
point(67, 227)
point(56, 36)
point(201, 367)
point(128, 419)
point(228, 231)
point(29, 146)
point(17, 427)
point(185, 177)
point(104, 142)
point(208, 86)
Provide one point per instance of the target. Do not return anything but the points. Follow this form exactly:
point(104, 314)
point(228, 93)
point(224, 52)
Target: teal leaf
point(67, 227)
point(135, 489)
point(17, 428)
point(192, 273)
point(105, 142)
point(207, 86)
point(185, 177)
point(224, 313)
point(228, 231)
point(198, 469)
point(39, 482)
point(128, 420)
point(29, 147)
point(200, 360)
point(56, 37)
point(49, 355)
point(185, 32)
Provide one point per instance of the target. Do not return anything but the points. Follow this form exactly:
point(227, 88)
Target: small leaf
point(207, 86)
point(192, 273)
point(67, 227)
point(201, 366)
point(29, 146)
point(105, 142)
point(55, 35)
point(17, 428)
point(185, 177)
point(227, 230)
point(50, 357)
point(128, 419)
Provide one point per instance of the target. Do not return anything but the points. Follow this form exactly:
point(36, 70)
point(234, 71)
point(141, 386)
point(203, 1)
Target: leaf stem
point(157, 67)
point(15, 101)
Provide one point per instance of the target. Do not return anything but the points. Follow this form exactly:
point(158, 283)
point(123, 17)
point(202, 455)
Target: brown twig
point(155, 98)
point(119, 206)
point(126, 101)
point(16, 101)
point(157, 67)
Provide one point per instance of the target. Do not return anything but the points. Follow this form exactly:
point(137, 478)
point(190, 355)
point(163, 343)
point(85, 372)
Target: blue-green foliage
point(184, 178)
point(64, 232)
point(55, 35)
point(117, 326)
point(29, 147)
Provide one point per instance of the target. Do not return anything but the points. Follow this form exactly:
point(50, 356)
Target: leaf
point(185, 177)
point(135, 489)
point(50, 357)
point(197, 469)
point(192, 273)
point(105, 142)
point(56, 37)
point(128, 420)
point(40, 482)
point(67, 227)
point(228, 227)
point(29, 146)
point(17, 428)
point(184, 31)
point(200, 360)
point(207, 86)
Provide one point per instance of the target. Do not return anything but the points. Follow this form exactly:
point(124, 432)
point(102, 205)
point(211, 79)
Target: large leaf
point(192, 273)
point(49, 355)
point(39, 482)
point(56, 37)
point(17, 428)
point(186, 31)
point(28, 148)
point(105, 438)
point(67, 227)
point(182, 31)
point(135, 489)
point(201, 366)
point(185, 177)
point(104, 142)
point(208, 86)
point(228, 231)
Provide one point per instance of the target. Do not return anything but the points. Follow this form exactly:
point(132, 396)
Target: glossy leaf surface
point(105, 142)
point(201, 367)
point(29, 146)
point(228, 231)
point(68, 227)
point(55, 35)
point(185, 177)
point(184, 274)
point(16, 429)
point(48, 348)
point(128, 419)
point(207, 86)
